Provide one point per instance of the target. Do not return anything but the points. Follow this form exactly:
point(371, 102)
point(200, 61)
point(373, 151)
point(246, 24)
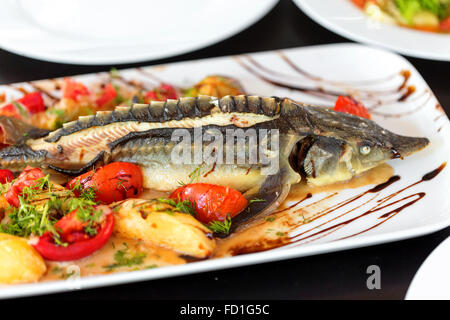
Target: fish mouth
point(403, 146)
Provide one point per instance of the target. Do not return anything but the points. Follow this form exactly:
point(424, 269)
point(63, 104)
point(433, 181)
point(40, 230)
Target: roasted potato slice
point(19, 262)
point(159, 223)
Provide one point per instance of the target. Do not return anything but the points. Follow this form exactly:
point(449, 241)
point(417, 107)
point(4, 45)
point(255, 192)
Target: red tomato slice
point(360, 3)
point(445, 25)
point(28, 178)
point(80, 244)
point(351, 106)
point(10, 110)
point(162, 93)
point(6, 176)
point(113, 182)
point(73, 89)
point(212, 202)
point(108, 95)
point(33, 102)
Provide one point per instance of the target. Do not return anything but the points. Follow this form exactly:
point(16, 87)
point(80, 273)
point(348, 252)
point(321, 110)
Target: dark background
point(340, 275)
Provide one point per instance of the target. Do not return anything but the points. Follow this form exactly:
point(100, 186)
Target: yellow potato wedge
point(19, 262)
point(160, 224)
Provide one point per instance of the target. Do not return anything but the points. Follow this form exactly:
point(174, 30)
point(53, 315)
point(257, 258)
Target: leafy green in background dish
point(427, 15)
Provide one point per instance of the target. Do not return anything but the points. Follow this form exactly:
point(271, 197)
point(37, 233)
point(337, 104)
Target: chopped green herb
point(125, 258)
point(184, 206)
point(221, 226)
point(58, 112)
point(305, 220)
point(256, 200)
point(57, 270)
point(41, 206)
point(19, 107)
point(119, 98)
point(114, 73)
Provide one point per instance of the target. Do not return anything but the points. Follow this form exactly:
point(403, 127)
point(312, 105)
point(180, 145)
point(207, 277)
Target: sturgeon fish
point(315, 143)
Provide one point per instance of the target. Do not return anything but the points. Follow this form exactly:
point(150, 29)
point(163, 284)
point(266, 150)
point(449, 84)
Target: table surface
point(340, 275)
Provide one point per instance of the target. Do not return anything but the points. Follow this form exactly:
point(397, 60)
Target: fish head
point(344, 145)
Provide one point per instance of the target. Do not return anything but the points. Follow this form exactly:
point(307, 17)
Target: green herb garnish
point(125, 258)
point(184, 206)
point(256, 200)
point(19, 107)
point(220, 226)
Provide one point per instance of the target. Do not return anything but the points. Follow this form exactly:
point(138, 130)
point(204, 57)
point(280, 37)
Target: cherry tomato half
point(79, 244)
point(30, 103)
point(73, 89)
point(10, 110)
point(33, 102)
point(351, 106)
point(6, 176)
point(445, 25)
point(113, 182)
point(162, 93)
point(108, 95)
point(212, 202)
point(28, 178)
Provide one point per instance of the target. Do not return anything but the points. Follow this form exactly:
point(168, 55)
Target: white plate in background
point(432, 281)
point(373, 76)
point(347, 20)
point(116, 31)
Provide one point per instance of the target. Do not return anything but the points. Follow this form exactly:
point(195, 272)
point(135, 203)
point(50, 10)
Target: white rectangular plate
point(370, 74)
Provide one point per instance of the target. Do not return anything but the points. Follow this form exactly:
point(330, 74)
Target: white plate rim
point(268, 6)
point(308, 9)
point(23, 290)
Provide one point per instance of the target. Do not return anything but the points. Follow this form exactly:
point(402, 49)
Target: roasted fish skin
point(323, 145)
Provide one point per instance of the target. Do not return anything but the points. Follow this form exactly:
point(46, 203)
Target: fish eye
point(364, 150)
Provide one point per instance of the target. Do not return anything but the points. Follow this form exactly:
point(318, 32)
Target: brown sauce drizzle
point(367, 82)
point(131, 83)
point(150, 76)
point(404, 90)
point(379, 206)
point(45, 92)
point(368, 94)
point(210, 171)
point(409, 91)
point(312, 91)
point(288, 219)
point(406, 74)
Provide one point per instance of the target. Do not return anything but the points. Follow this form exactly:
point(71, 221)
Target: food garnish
point(125, 258)
point(161, 93)
point(426, 15)
point(212, 202)
point(81, 232)
point(351, 106)
point(221, 226)
point(113, 182)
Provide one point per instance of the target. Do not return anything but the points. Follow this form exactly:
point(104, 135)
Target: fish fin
point(263, 201)
point(98, 160)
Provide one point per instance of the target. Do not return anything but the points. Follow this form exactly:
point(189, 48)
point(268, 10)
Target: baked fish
point(312, 143)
